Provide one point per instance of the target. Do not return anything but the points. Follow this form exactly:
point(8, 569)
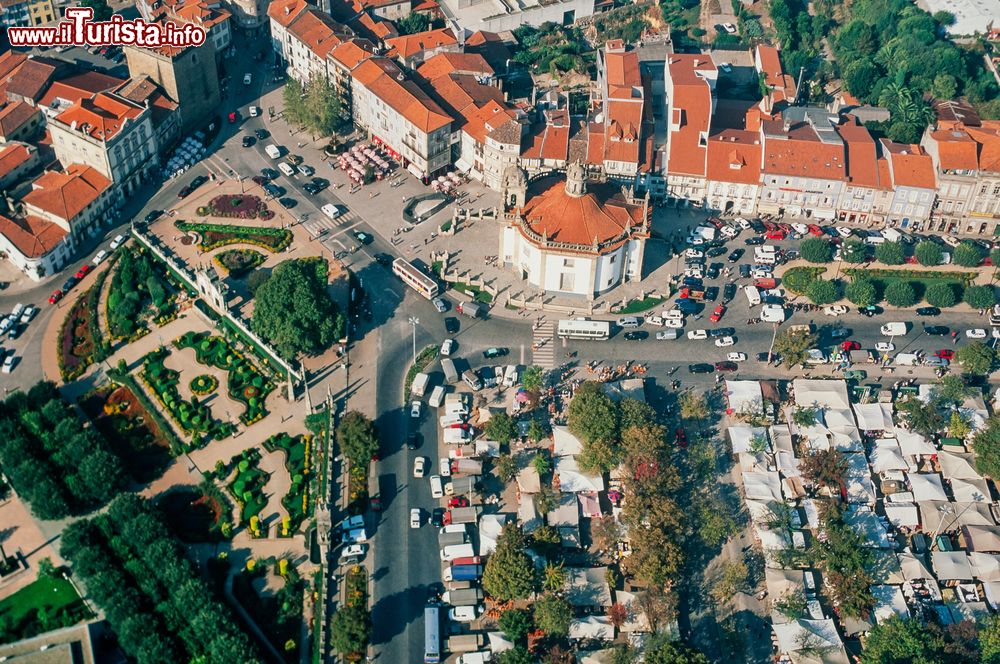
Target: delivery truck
point(467, 597)
point(455, 436)
point(450, 373)
point(470, 560)
point(483, 657)
point(461, 643)
point(471, 309)
point(437, 397)
point(451, 539)
point(463, 573)
point(453, 551)
point(419, 385)
point(461, 485)
point(466, 467)
point(463, 514)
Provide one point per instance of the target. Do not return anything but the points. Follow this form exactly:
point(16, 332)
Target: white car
point(694, 253)
point(951, 240)
point(977, 333)
point(744, 224)
point(835, 310)
point(696, 240)
point(415, 408)
point(730, 231)
point(694, 272)
point(8, 364)
point(729, 27)
point(419, 467)
point(844, 231)
point(117, 242)
point(29, 312)
point(885, 347)
point(761, 274)
point(697, 334)
point(444, 467)
point(99, 258)
point(448, 347)
point(801, 229)
point(464, 614)
point(247, 78)
point(724, 342)
point(254, 111)
point(676, 323)
point(725, 67)
point(662, 336)
point(354, 551)
point(415, 519)
point(737, 357)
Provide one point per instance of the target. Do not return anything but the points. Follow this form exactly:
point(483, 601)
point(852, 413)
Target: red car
point(945, 354)
point(770, 226)
point(458, 501)
point(726, 366)
point(816, 230)
point(776, 234)
point(84, 270)
point(680, 438)
point(850, 345)
point(717, 315)
point(786, 227)
point(55, 297)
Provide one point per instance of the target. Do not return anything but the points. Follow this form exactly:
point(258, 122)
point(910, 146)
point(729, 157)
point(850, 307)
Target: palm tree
point(553, 577)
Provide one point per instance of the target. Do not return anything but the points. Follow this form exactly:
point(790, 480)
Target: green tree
point(944, 18)
point(294, 98)
point(542, 464)
point(599, 455)
point(293, 311)
point(663, 651)
point(816, 250)
point(635, 413)
point(797, 279)
point(506, 468)
point(693, 406)
point(553, 577)
point(900, 294)
point(537, 431)
point(593, 415)
point(968, 254)
point(903, 640)
point(255, 280)
point(920, 417)
point(793, 346)
point(976, 358)
point(501, 428)
point(515, 624)
point(509, 572)
point(958, 426)
point(995, 257)
point(350, 629)
point(533, 378)
point(822, 292)
point(102, 10)
point(861, 292)
point(861, 76)
point(940, 295)
point(928, 253)
point(989, 639)
point(357, 438)
point(516, 655)
point(825, 468)
point(986, 444)
point(553, 615)
point(890, 253)
point(546, 500)
point(413, 23)
point(804, 416)
point(853, 250)
point(945, 86)
point(732, 578)
point(979, 297)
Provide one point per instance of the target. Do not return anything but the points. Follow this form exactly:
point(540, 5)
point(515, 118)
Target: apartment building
point(311, 37)
point(689, 88)
point(110, 134)
point(17, 159)
point(914, 186)
point(732, 175)
point(620, 137)
point(280, 14)
point(867, 194)
point(397, 113)
point(413, 50)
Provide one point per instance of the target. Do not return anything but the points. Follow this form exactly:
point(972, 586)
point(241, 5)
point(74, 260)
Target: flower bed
point(239, 206)
point(246, 383)
point(204, 384)
point(142, 291)
point(192, 417)
point(76, 342)
point(238, 262)
point(248, 487)
point(131, 430)
point(297, 455)
point(218, 235)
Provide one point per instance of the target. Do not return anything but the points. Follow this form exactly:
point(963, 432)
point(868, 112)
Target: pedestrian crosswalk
point(543, 352)
point(320, 224)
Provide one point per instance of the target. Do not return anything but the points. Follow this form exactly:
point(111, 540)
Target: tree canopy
point(293, 311)
point(510, 573)
point(976, 358)
point(318, 108)
point(822, 292)
point(861, 292)
point(940, 295)
point(594, 418)
point(816, 250)
point(793, 345)
point(969, 254)
point(500, 428)
point(928, 253)
point(900, 294)
point(553, 615)
point(357, 438)
point(979, 297)
point(890, 253)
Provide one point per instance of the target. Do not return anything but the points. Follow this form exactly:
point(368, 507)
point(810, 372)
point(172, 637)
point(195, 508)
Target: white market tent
point(951, 565)
point(874, 416)
point(742, 437)
point(809, 641)
point(592, 627)
point(970, 491)
point(781, 439)
point(887, 456)
point(955, 466)
point(927, 486)
point(587, 586)
point(744, 396)
point(574, 480)
point(945, 516)
point(489, 529)
point(867, 524)
point(762, 486)
point(986, 566)
point(912, 567)
point(902, 515)
point(761, 511)
point(860, 488)
point(826, 394)
point(913, 444)
point(564, 443)
point(499, 642)
point(635, 618)
point(889, 602)
point(982, 538)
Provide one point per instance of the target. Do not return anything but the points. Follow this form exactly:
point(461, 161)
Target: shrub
point(797, 279)
point(861, 292)
point(928, 253)
point(822, 291)
point(941, 295)
point(817, 250)
point(980, 297)
point(900, 294)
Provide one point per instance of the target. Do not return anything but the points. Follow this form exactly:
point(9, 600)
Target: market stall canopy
point(951, 565)
point(867, 524)
point(762, 486)
point(811, 641)
point(635, 618)
point(982, 538)
point(902, 515)
point(985, 566)
point(574, 480)
point(887, 456)
point(744, 396)
point(742, 437)
point(955, 466)
point(587, 587)
point(937, 515)
point(564, 443)
point(913, 567)
point(889, 602)
point(592, 627)
point(827, 394)
point(926, 486)
point(874, 416)
point(970, 491)
point(913, 444)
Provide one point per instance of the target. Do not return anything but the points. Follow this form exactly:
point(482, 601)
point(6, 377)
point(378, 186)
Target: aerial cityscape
point(500, 331)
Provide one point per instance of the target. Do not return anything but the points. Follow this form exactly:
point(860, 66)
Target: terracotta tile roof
point(376, 30)
point(10, 61)
point(910, 165)
point(425, 6)
point(622, 72)
point(65, 195)
point(623, 131)
point(533, 142)
point(555, 144)
point(33, 77)
point(797, 150)
point(409, 45)
point(491, 46)
point(477, 108)
point(101, 117)
point(199, 13)
point(384, 3)
point(884, 174)
point(692, 110)
point(284, 12)
point(352, 53)
point(142, 89)
point(446, 63)
point(13, 115)
point(955, 112)
point(781, 84)
point(595, 144)
point(549, 140)
point(13, 155)
point(599, 214)
point(734, 156)
point(988, 138)
point(380, 76)
point(32, 236)
point(318, 32)
point(80, 86)
point(957, 151)
point(862, 156)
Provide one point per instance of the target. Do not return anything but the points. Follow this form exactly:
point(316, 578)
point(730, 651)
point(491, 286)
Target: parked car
point(726, 366)
point(416, 520)
point(491, 353)
point(735, 255)
point(937, 330)
point(717, 315)
point(636, 335)
point(83, 271)
point(725, 342)
point(119, 239)
point(420, 467)
point(100, 256)
point(701, 367)
point(928, 311)
point(415, 409)
point(451, 325)
point(56, 296)
point(447, 347)
point(835, 310)
point(440, 305)
point(976, 333)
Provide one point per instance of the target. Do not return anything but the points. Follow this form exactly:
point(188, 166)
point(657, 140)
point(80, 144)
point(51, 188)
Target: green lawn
point(920, 281)
point(646, 304)
point(54, 598)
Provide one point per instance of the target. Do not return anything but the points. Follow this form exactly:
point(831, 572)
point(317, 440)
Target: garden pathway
point(223, 406)
point(276, 488)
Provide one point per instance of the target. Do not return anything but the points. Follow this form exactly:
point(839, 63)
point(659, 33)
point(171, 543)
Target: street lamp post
point(414, 321)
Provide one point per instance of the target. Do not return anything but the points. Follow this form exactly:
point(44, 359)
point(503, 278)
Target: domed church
point(571, 235)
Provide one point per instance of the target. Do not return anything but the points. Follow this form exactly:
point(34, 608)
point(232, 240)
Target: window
point(569, 262)
point(996, 190)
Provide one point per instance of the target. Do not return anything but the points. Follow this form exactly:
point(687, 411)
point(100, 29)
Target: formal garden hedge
point(204, 384)
point(140, 439)
point(248, 489)
point(236, 206)
point(192, 417)
point(153, 598)
point(279, 616)
point(56, 465)
point(142, 291)
point(298, 500)
point(237, 263)
point(246, 383)
point(219, 235)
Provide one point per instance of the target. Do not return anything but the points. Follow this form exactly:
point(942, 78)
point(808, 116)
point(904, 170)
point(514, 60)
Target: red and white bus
point(415, 279)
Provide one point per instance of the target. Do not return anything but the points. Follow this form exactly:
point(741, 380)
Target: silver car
point(440, 305)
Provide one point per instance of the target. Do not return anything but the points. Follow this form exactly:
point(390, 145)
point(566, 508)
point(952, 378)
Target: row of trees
point(928, 253)
point(317, 109)
point(357, 438)
point(52, 461)
point(153, 598)
point(912, 640)
point(904, 294)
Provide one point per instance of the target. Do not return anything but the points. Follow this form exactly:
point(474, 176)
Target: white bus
point(414, 278)
point(584, 328)
point(432, 635)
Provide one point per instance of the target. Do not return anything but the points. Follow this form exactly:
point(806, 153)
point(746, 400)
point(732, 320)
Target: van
point(451, 539)
point(331, 210)
point(629, 321)
point(448, 420)
point(893, 329)
point(510, 376)
point(287, 169)
point(453, 551)
point(273, 151)
point(450, 373)
point(437, 487)
point(472, 380)
point(907, 359)
point(765, 259)
point(753, 295)
point(437, 397)
point(672, 314)
point(892, 235)
point(453, 436)
point(874, 240)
